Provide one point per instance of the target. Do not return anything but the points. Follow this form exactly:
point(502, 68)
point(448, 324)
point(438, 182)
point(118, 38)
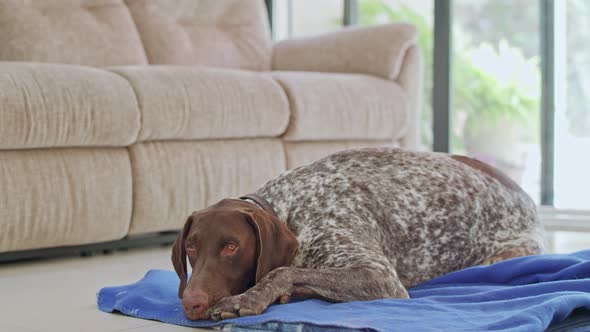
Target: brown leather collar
point(263, 203)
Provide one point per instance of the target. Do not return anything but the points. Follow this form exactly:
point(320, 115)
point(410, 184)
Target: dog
point(357, 225)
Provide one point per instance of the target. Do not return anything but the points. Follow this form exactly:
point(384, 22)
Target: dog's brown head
point(230, 246)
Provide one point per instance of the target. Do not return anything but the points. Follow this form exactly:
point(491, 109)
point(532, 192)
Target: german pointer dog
point(357, 225)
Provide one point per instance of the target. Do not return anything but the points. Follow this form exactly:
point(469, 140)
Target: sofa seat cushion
point(330, 106)
point(174, 179)
point(184, 103)
point(50, 105)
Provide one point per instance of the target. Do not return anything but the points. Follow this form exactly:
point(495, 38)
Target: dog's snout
point(195, 304)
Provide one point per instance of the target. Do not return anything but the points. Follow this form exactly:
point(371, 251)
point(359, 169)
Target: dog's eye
point(191, 250)
point(230, 248)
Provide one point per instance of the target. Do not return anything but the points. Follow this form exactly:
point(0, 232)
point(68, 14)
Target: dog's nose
point(195, 304)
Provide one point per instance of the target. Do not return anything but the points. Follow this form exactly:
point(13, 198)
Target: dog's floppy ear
point(179, 255)
point(276, 245)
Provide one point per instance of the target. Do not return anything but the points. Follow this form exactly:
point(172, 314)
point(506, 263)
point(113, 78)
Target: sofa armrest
point(374, 50)
point(411, 79)
point(387, 51)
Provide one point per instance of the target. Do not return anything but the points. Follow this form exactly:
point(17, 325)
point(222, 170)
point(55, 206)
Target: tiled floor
point(60, 294)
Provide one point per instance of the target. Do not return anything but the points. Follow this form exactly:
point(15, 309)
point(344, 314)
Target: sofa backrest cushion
point(218, 33)
point(83, 32)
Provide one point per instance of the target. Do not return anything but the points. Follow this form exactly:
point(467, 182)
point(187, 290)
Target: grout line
point(147, 324)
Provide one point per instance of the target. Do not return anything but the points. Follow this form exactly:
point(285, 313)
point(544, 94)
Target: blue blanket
point(522, 294)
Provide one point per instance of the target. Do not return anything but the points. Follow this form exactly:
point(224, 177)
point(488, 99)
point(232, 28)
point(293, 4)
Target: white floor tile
point(160, 327)
point(60, 294)
point(15, 328)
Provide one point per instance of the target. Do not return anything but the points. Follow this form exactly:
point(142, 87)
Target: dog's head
point(230, 246)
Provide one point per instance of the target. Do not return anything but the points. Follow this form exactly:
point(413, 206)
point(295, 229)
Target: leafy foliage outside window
point(493, 83)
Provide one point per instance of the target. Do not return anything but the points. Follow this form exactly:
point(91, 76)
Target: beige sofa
point(121, 117)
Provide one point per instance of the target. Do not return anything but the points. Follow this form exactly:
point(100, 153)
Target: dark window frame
point(547, 29)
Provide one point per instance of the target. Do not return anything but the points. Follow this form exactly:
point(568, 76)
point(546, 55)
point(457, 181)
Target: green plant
point(494, 86)
point(491, 84)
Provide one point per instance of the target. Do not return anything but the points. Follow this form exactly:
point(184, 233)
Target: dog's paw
point(237, 306)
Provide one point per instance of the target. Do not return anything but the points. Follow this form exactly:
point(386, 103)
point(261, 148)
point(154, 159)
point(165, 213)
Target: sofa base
point(129, 242)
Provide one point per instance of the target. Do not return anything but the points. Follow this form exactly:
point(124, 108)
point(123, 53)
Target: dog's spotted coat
point(373, 222)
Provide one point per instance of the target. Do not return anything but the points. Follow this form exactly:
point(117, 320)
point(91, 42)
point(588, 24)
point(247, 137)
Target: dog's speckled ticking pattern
point(357, 225)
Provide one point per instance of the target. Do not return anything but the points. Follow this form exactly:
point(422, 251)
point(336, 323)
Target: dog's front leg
point(333, 284)
point(255, 300)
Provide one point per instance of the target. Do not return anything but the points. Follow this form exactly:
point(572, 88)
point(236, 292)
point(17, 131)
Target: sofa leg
point(87, 253)
point(164, 239)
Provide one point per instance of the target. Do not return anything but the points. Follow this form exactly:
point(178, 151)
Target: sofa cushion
point(60, 197)
point(330, 106)
point(50, 105)
point(204, 103)
point(83, 32)
point(228, 33)
point(173, 179)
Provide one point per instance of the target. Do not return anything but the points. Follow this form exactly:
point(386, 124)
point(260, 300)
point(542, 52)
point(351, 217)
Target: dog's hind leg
point(519, 248)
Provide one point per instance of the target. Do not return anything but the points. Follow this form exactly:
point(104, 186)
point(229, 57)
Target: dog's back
point(428, 213)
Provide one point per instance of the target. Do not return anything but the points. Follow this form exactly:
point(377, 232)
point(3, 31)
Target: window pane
point(568, 242)
point(421, 14)
point(572, 116)
point(496, 97)
point(312, 17)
